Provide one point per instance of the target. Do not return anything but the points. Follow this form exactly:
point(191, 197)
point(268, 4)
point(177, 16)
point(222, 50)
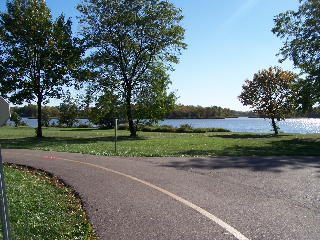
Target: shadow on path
point(305, 153)
point(263, 163)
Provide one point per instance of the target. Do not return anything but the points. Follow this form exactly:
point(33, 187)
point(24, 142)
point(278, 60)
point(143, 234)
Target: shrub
point(84, 125)
point(23, 124)
point(53, 124)
point(166, 128)
point(123, 126)
point(217, 130)
point(185, 128)
point(16, 119)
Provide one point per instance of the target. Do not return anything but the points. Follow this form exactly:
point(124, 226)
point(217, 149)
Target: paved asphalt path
point(190, 198)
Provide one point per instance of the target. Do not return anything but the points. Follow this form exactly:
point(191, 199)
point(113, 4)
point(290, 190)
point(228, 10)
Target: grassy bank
point(94, 141)
point(42, 208)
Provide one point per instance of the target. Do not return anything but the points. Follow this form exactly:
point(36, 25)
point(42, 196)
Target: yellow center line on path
point(205, 213)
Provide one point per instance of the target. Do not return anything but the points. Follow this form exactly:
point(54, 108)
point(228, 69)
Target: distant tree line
point(199, 112)
point(179, 112)
point(313, 113)
point(31, 111)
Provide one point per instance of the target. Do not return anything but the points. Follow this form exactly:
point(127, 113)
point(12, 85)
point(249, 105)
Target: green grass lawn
point(94, 141)
point(41, 208)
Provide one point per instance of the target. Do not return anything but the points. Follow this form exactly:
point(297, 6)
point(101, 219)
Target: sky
point(228, 41)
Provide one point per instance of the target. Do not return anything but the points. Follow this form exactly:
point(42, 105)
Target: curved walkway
point(190, 198)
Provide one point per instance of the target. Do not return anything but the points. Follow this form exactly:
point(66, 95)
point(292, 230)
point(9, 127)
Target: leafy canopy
point(107, 109)
point(69, 112)
point(38, 55)
point(270, 93)
point(130, 41)
point(154, 101)
point(300, 31)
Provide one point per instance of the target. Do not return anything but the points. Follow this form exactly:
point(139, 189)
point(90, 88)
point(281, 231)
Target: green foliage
point(38, 55)
point(185, 128)
point(84, 125)
point(123, 127)
point(45, 117)
point(107, 109)
point(198, 112)
point(26, 111)
point(300, 32)
point(16, 119)
point(153, 102)
point(270, 93)
point(165, 128)
point(132, 44)
point(313, 113)
point(41, 207)
point(68, 112)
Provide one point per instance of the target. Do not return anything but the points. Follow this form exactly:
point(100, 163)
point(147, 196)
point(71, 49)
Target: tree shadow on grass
point(295, 154)
point(254, 163)
point(31, 142)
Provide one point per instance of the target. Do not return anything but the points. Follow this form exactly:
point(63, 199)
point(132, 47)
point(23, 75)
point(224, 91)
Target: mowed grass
point(42, 208)
point(101, 142)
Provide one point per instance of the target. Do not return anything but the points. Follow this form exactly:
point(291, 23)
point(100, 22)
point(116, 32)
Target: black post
point(3, 204)
point(115, 135)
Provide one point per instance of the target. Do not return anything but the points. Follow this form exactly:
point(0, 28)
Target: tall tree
point(270, 93)
point(300, 31)
point(128, 40)
point(37, 54)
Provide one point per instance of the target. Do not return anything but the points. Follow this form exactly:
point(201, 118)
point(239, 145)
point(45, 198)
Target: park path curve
point(190, 198)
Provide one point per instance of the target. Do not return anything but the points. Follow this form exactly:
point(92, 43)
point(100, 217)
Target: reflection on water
point(256, 125)
point(308, 125)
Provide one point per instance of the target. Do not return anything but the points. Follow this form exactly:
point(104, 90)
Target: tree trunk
point(39, 129)
point(133, 130)
point(275, 127)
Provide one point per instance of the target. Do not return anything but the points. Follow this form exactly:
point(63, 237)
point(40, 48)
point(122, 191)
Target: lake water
point(253, 125)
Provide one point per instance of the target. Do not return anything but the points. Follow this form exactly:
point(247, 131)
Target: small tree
point(107, 108)
point(16, 119)
point(68, 112)
point(45, 117)
point(270, 94)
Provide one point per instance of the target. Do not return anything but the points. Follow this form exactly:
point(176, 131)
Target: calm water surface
point(254, 125)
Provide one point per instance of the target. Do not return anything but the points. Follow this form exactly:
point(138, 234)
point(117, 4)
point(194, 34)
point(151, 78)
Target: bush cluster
point(185, 128)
